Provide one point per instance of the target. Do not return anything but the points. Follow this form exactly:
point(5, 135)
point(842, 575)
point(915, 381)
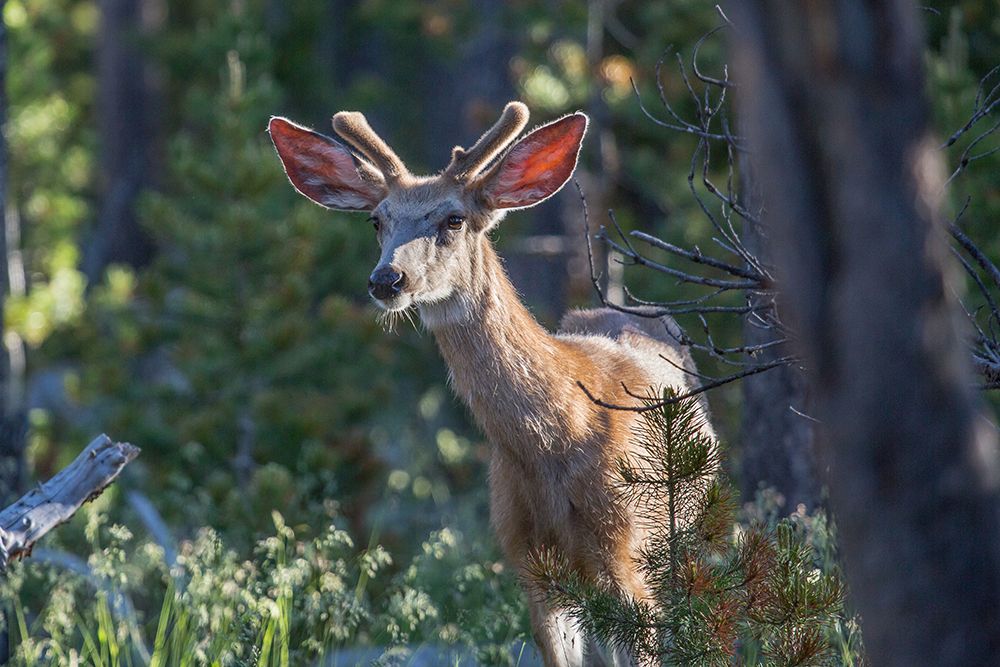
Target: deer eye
point(376, 223)
point(455, 222)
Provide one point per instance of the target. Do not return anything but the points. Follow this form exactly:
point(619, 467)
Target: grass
point(293, 601)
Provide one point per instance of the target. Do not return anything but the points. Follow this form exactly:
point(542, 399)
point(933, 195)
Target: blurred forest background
point(165, 285)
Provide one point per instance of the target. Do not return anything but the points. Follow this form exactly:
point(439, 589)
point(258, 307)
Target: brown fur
point(554, 454)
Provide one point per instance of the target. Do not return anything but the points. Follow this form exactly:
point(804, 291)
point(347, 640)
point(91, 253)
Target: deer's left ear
point(537, 166)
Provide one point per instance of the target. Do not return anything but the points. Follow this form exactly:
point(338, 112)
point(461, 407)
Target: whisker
point(387, 319)
point(409, 316)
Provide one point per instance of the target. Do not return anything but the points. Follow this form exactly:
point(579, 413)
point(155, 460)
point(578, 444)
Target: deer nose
point(386, 282)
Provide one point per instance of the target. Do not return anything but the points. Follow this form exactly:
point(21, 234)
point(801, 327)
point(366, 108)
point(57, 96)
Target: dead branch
point(985, 319)
point(985, 103)
point(712, 278)
point(54, 502)
point(658, 404)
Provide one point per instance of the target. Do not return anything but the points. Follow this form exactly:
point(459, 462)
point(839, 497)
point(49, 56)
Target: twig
point(682, 276)
point(989, 267)
point(687, 128)
point(696, 256)
point(721, 83)
point(804, 415)
point(784, 361)
point(981, 108)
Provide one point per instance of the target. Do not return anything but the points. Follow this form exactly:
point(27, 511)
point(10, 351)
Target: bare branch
point(636, 258)
point(721, 83)
point(968, 158)
point(982, 107)
point(784, 361)
point(687, 128)
point(984, 262)
point(697, 257)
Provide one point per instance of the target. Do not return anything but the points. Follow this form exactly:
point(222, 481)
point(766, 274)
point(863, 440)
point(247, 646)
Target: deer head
point(431, 229)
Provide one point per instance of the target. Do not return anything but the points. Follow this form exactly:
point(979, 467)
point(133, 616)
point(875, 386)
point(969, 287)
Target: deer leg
point(626, 577)
point(560, 641)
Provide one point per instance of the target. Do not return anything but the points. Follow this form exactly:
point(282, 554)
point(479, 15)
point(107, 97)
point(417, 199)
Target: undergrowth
point(293, 601)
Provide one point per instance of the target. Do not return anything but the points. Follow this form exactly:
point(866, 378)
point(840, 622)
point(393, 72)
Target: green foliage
point(721, 592)
point(51, 143)
point(295, 601)
point(234, 359)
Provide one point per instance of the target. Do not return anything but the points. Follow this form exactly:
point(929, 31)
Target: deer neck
point(505, 366)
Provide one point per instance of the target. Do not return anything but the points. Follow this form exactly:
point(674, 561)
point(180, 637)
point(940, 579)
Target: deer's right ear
point(324, 170)
point(537, 166)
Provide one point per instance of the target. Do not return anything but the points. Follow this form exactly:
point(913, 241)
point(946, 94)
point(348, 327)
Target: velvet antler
point(466, 164)
point(354, 128)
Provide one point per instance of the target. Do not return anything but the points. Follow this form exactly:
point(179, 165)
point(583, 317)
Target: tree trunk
point(833, 92)
point(127, 120)
point(11, 447)
point(776, 448)
point(11, 413)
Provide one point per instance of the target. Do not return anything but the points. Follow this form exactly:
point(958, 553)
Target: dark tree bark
point(127, 103)
point(776, 448)
point(776, 440)
point(477, 81)
point(833, 92)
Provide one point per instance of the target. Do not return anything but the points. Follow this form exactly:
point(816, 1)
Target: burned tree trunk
point(833, 92)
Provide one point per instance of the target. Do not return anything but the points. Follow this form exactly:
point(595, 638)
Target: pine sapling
point(720, 593)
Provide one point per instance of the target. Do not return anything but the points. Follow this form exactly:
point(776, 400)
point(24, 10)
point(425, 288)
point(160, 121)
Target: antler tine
point(354, 128)
point(465, 164)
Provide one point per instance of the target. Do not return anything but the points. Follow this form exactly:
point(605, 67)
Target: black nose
point(385, 283)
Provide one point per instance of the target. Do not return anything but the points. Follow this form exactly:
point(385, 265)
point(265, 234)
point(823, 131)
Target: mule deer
point(554, 450)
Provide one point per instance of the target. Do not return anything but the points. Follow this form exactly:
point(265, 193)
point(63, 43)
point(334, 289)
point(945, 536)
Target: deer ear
point(324, 170)
point(537, 166)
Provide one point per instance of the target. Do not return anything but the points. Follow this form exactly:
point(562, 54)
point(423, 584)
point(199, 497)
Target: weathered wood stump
point(57, 500)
